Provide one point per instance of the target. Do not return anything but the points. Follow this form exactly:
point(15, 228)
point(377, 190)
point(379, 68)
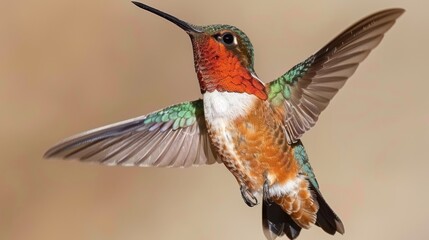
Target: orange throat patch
point(218, 69)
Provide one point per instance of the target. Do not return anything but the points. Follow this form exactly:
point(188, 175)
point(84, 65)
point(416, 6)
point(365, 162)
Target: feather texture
point(172, 137)
point(301, 94)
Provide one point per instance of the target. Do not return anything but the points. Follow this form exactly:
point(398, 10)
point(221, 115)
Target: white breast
point(220, 109)
point(226, 106)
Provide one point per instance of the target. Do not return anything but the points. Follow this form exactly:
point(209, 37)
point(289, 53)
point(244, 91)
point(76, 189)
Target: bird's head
point(223, 56)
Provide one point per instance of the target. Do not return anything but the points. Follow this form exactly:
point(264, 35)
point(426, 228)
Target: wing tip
point(51, 153)
point(59, 149)
point(388, 11)
point(47, 155)
point(397, 10)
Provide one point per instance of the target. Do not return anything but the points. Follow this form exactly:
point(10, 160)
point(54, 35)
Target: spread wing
point(173, 137)
point(301, 94)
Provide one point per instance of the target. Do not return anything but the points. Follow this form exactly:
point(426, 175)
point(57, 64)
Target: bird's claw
point(248, 197)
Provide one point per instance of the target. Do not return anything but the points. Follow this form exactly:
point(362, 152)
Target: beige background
point(68, 66)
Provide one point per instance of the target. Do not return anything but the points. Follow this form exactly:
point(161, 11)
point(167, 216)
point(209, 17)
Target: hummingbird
point(253, 128)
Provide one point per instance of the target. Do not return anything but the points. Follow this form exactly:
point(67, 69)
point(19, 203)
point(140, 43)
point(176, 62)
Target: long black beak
point(182, 24)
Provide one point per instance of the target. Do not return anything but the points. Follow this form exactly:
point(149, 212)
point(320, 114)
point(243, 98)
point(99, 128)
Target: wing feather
point(172, 137)
point(306, 90)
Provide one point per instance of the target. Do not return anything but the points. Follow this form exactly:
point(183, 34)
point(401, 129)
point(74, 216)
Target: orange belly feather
point(260, 151)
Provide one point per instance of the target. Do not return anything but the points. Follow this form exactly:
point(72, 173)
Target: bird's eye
point(228, 38)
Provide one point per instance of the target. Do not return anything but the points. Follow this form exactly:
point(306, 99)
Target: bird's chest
point(224, 113)
point(245, 134)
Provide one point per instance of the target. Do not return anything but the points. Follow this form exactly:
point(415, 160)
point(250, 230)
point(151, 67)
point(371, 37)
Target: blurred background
point(69, 66)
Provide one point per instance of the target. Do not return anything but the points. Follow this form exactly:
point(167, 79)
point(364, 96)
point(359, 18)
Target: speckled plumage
point(251, 127)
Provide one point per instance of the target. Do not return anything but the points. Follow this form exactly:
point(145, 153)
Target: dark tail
point(277, 222)
point(326, 217)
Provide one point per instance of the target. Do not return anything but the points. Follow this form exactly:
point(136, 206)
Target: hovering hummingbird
point(253, 128)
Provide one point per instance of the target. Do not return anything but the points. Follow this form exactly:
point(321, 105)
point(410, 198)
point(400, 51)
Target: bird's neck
point(219, 69)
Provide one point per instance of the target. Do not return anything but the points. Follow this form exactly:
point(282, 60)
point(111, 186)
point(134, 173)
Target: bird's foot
point(248, 197)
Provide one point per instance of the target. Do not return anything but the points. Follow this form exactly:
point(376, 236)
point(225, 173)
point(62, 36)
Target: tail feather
point(299, 204)
point(277, 222)
point(326, 217)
